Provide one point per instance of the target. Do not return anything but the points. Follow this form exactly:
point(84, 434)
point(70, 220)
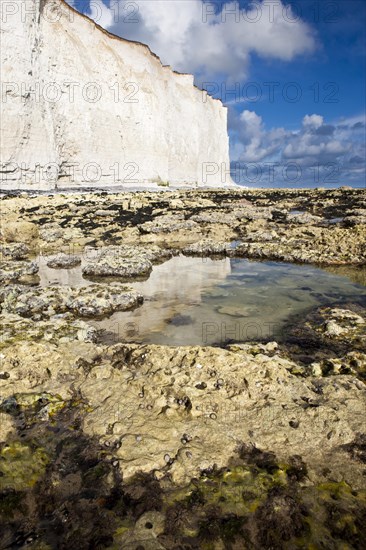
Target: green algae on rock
point(76, 493)
point(179, 218)
point(260, 445)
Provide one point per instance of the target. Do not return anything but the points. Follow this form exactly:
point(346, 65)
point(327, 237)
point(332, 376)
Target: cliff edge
point(82, 107)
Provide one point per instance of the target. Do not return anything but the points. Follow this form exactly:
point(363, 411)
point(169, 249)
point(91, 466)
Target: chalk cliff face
point(81, 107)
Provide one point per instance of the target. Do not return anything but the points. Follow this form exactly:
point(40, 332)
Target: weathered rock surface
point(58, 330)
point(304, 218)
point(125, 262)
point(260, 445)
point(64, 261)
point(181, 410)
point(188, 429)
point(12, 271)
point(176, 220)
point(206, 247)
point(334, 246)
point(331, 341)
point(89, 301)
point(13, 251)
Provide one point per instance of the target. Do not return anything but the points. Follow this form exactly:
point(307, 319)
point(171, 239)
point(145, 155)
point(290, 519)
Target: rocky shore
point(253, 444)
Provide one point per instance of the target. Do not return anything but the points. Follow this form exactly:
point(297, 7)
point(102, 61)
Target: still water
point(201, 301)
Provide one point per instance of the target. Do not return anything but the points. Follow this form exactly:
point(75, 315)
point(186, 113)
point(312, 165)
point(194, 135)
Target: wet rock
point(94, 301)
point(317, 245)
point(125, 262)
point(335, 340)
point(209, 217)
point(356, 216)
point(206, 247)
point(64, 261)
point(21, 466)
point(269, 482)
point(340, 322)
point(56, 330)
point(104, 213)
point(168, 224)
point(304, 218)
point(255, 348)
point(261, 236)
point(296, 410)
point(220, 215)
point(51, 232)
point(234, 311)
point(332, 329)
point(12, 271)
point(89, 301)
point(253, 213)
point(357, 448)
point(13, 251)
point(180, 320)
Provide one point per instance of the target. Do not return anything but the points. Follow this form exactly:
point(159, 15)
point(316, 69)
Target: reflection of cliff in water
point(200, 301)
point(196, 301)
point(172, 288)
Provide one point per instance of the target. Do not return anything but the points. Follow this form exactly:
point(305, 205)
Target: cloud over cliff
point(208, 38)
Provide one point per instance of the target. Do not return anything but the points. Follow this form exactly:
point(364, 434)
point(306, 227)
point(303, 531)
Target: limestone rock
point(147, 124)
point(124, 261)
point(89, 301)
point(64, 261)
point(304, 218)
point(169, 416)
point(57, 330)
point(13, 251)
point(11, 271)
point(206, 247)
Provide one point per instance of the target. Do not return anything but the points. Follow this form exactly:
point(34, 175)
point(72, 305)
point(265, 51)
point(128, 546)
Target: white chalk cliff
point(82, 107)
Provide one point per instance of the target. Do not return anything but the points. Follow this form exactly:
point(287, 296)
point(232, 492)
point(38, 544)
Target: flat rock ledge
point(89, 301)
point(64, 261)
point(325, 227)
point(258, 446)
point(125, 262)
point(143, 435)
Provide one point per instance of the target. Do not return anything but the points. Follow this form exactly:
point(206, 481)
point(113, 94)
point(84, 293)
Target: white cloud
point(312, 121)
point(255, 145)
point(305, 148)
point(252, 123)
point(308, 145)
point(311, 155)
point(190, 38)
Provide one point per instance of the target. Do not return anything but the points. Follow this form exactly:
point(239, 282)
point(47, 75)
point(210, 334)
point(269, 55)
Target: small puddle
point(295, 212)
point(201, 301)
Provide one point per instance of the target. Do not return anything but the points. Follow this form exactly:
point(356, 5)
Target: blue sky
point(296, 71)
